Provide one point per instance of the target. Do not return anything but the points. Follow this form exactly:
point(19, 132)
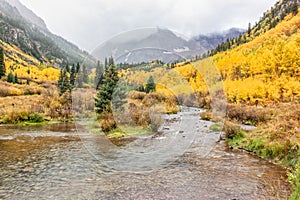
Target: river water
point(62, 161)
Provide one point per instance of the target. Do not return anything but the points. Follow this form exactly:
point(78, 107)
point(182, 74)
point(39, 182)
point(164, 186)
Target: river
point(62, 161)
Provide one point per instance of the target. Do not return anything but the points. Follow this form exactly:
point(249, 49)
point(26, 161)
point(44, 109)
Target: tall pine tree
point(10, 77)
point(150, 86)
point(63, 82)
point(104, 96)
point(119, 97)
point(99, 71)
point(77, 68)
point(2, 63)
point(73, 75)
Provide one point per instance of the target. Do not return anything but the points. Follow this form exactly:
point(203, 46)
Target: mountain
point(145, 45)
point(21, 27)
point(27, 14)
point(141, 45)
point(211, 41)
point(268, 21)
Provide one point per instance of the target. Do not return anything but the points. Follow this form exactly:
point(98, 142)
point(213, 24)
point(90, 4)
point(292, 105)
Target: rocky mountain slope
point(21, 27)
point(212, 40)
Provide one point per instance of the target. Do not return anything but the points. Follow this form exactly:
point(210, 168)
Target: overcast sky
point(88, 23)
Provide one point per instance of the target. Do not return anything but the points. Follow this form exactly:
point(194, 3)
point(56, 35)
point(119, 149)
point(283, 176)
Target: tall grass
point(16, 116)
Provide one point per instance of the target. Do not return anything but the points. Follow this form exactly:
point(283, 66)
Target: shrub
point(29, 91)
point(107, 122)
point(207, 116)
point(36, 118)
point(137, 95)
point(152, 99)
point(232, 130)
point(15, 92)
point(188, 100)
point(139, 114)
point(248, 115)
point(156, 119)
point(4, 91)
point(16, 116)
point(156, 122)
point(171, 105)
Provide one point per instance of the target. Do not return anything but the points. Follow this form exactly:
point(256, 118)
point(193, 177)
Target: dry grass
point(27, 103)
point(9, 89)
point(146, 109)
point(48, 104)
point(280, 122)
point(285, 124)
point(250, 115)
point(135, 95)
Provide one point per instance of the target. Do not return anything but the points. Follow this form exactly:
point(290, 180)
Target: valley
point(151, 91)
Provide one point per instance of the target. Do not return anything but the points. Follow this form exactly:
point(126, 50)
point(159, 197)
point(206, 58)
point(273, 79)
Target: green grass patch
point(125, 131)
point(29, 123)
point(294, 178)
point(216, 127)
point(236, 141)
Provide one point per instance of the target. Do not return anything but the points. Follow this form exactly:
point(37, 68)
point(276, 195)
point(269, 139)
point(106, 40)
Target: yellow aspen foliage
point(26, 66)
point(267, 68)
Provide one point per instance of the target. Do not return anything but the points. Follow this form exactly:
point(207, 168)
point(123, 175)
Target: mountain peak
point(27, 14)
point(23, 28)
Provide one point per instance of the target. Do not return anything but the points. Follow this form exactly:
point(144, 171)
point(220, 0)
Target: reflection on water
point(51, 162)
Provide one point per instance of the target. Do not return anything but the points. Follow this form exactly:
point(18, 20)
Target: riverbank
point(61, 162)
point(276, 139)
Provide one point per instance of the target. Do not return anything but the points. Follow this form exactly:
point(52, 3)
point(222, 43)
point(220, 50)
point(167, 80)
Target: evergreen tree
point(73, 75)
point(249, 29)
point(63, 82)
point(294, 8)
point(150, 86)
point(141, 88)
point(10, 77)
point(119, 97)
point(105, 63)
point(16, 78)
point(2, 63)
point(99, 70)
point(60, 78)
point(67, 68)
point(111, 61)
point(104, 96)
point(77, 68)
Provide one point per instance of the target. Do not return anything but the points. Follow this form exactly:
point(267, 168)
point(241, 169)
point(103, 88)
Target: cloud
point(88, 23)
